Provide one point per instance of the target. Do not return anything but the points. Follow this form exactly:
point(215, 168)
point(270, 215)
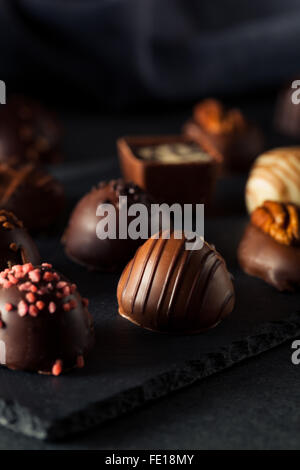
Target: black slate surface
point(130, 366)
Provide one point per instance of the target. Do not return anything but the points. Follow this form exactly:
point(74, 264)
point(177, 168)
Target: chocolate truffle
point(16, 245)
point(234, 137)
point(32, 194)
point(83, 244)
point(274, 176)
point(287, 112)
point(173, 169)
point(28, 132)
point(270, 247)
point(168, 288)
point(45, 325)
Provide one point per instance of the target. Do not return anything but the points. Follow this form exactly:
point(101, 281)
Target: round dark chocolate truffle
point(81, 238)
point(168, 288)
point(228, 131)
point(28, 132)
point(16, 245)
point(45, 324)
point(32, 194)
point(270, 247)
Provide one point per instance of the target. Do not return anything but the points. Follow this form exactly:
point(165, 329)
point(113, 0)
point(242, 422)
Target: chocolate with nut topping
point(270, 247)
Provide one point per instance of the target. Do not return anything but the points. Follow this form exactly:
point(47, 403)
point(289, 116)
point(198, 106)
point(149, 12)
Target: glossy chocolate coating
point(80, 238)
point(261, 256)
point(16, 245)
point(28, 132)
point(32, 194)
point(170, 289)
point(45, 323)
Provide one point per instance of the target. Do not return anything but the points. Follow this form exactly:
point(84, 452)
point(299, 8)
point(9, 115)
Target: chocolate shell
point(32, 194)
point(45, 325)
point(80, 238)
point(261, 256)
point(168, 288)
point(28, 132)
point(16, 245)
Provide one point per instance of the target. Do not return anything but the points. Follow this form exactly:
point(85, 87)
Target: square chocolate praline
point(184, 182)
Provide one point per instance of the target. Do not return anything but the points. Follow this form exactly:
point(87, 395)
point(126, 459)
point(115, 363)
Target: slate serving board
point(130, 366)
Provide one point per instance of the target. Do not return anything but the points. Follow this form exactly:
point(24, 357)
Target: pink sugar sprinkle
point(59, 295)
point(9, 307)
point(66, 290)
point(12, 279)
point(3, 275)
point(19, 274)
point(57, 368)
point(56, 276)
point(50, 286)
point(48, 276)
point(52, 307)
point(85, 301)
point(22, 308)
point(61, 284)
point(35, 275)
point(27, 268)
point(33, 311)
point(47, 265)
point(67, 307)
point(40, 304)
point(25, 286)
point(33, 288)
point(80, 361)
point(30, 297)
point(73, 288)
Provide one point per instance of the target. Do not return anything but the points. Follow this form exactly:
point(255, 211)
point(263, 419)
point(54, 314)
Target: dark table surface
point(252, 405)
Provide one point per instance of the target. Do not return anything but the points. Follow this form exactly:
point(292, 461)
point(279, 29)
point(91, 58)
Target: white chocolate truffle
point(275, 176)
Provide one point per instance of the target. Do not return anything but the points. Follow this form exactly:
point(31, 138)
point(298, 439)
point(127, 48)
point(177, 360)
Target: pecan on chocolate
point(213, 117)
point(279, 220)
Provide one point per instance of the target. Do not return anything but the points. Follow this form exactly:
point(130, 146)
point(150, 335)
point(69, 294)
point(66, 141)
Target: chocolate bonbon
point(270, 247)
point(16, 245)
point(28, 132)
point(82, 242)
point(274, 176)
point(168, 288)
point(173, 169)
point(233, 136)
point(32, 194)
point(45, 325)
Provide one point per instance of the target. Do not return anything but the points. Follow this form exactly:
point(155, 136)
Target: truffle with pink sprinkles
point(45, 325)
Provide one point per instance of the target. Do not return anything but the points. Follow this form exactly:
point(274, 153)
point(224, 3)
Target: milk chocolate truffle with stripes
point(16, 245)
point(32, 194)
point(275, 176)
point(28, 132)
point(45, 325)
point(169, 288)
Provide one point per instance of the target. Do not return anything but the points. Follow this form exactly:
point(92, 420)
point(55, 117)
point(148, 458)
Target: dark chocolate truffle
point(32, 194)
point(80, 238)
point(270, 247)
point(168, 288)
point(16, 245)
point(28, 132)
point(235, 138)
point(45, 324)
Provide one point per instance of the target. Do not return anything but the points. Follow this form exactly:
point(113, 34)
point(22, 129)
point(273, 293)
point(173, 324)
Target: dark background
point(113, 67)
